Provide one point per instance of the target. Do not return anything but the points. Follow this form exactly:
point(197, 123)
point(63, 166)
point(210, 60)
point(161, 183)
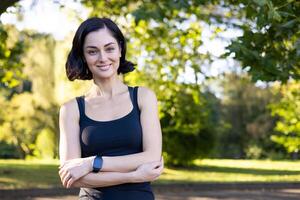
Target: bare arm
point(103, 179)
point(69, 146)
point(145, 172)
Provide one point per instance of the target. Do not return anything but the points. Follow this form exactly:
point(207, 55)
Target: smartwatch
point(97, 164)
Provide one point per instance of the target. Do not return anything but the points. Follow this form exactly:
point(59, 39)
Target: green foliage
point(288, 111)
point(8, 151)
point(29, 112)
point(12, 47)
point(19, 127)
point(186, 116)
point(45, 145)
point(188, 132)
point(270, 45)
point(246, 123)
point(254, 152)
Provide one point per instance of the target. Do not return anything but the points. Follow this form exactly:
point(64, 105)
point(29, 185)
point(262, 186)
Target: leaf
point(260, 2)
point(289, 24)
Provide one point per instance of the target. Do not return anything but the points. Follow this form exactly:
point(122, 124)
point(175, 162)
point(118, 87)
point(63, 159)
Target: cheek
point(116, 56)
point(90, 59)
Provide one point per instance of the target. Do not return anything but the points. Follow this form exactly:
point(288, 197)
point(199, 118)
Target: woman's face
point(102, 53)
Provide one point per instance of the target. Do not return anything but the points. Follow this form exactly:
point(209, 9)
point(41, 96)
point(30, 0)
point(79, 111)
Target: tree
point(288, 111)
point(12, 48)
point(32, 115)
point(270, 44)
point(246, 122)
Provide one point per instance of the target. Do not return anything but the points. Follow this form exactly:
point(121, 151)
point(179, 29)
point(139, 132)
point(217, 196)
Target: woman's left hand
point(74, 169)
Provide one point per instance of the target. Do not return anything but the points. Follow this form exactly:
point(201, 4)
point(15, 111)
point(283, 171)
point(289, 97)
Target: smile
point(104, 67)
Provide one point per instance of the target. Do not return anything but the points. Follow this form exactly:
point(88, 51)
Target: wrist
point(90, 161)
point(132, 177)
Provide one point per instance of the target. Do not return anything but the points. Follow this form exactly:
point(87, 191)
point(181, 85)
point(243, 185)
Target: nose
point(102, 56)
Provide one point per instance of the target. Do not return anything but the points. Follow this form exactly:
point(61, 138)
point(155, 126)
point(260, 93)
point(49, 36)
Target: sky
point(45, 16)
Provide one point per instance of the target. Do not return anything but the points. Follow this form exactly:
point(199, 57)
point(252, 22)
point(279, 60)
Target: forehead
point(99, 38)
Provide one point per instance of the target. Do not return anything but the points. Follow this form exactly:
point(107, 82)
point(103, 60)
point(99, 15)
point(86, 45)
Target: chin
point(104, 75)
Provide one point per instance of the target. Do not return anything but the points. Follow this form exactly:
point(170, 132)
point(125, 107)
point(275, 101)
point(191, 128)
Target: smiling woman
point(110, 138)
point(103, 59)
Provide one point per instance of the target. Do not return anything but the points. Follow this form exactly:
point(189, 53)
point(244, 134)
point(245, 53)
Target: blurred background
point(226, 74)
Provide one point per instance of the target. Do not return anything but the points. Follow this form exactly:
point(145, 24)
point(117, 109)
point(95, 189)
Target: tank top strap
point(80, 102)
point(135, 98)
point(131, 94)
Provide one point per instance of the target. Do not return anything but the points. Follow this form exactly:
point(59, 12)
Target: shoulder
point(146, 96)
point(69, 109)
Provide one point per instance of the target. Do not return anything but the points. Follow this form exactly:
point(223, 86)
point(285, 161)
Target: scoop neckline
point(113, 120)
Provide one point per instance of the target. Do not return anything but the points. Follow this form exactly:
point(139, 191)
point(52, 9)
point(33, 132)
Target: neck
point(106, 88)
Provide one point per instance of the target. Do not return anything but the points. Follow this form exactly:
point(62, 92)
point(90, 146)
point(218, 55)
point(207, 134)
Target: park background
point(226, 75)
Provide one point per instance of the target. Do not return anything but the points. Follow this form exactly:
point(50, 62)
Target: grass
point(220, 171)
point(28, 174)
point(44, 174)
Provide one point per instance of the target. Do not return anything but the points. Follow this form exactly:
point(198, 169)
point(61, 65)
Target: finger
point(66, 178)
point(66, 181)
point(158, 170)
point(156, 163)
point(63, 173)
point(70, 182)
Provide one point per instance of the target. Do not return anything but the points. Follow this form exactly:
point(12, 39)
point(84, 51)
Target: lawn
point(43, 174)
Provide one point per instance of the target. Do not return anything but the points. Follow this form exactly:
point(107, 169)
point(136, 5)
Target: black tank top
point(116, 137)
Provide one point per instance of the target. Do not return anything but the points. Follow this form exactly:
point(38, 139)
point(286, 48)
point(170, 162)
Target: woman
point(110, 138)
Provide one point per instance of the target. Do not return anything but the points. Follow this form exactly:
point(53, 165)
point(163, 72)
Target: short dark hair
point(76, 67)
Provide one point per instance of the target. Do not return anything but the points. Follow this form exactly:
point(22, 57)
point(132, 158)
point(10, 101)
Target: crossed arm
point(144, 166)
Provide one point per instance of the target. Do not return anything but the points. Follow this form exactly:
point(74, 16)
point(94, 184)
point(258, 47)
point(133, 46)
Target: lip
point(104, 67)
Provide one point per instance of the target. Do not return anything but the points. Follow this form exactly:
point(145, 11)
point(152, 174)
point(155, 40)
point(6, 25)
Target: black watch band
point(97, 164)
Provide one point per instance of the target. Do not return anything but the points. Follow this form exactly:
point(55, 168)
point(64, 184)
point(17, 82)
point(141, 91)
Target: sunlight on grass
point(221, 170)
point(29, 174)
point(253, 164)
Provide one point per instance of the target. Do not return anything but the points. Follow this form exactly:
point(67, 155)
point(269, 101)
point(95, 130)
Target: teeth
point(105, 67)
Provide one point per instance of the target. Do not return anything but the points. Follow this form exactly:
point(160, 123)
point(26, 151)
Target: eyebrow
point(104, 45)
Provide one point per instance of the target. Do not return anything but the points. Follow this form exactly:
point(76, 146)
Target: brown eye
point(91, 52)
point(110, 49)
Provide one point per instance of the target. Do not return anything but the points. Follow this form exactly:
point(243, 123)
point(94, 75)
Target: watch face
point(97, 164)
